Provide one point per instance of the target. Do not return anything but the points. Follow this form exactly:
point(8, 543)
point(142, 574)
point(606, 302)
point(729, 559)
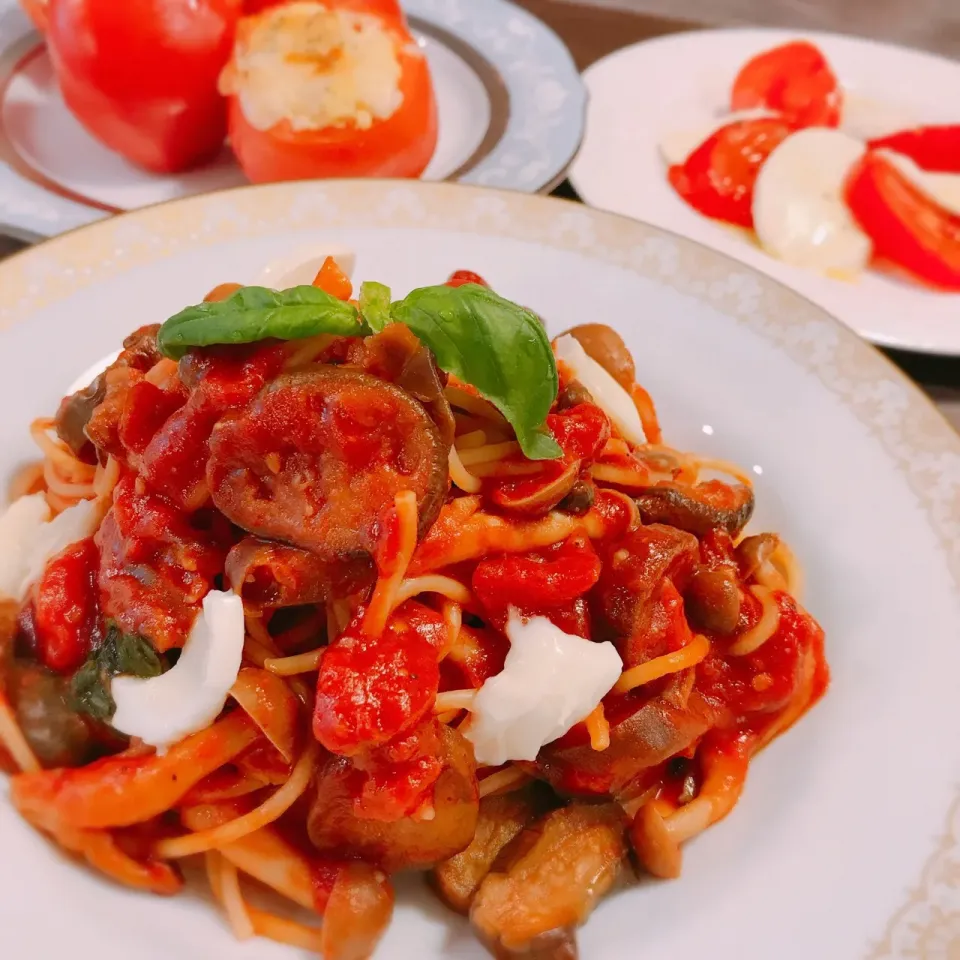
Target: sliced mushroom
point(753, 552)
point(501, 819)
point(606, 346)
point(550, 879)
point(698, 509)
point(713, 600)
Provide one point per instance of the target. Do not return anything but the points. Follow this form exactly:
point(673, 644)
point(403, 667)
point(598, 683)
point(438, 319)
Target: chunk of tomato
point(936, 149)
point(66, 614)
point(907, 227)
point(795, 80)
point(718, 178)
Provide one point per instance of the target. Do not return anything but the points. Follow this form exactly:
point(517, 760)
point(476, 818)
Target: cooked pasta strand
point(753, 639)
point(682, 659)
point(308, 662)
point(12, 738)
point(271, 809)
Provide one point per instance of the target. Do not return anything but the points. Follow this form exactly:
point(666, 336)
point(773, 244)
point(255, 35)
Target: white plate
point(673, 83)
point(510, 99)
point(846, 843)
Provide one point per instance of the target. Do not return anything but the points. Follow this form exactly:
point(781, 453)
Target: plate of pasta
point(402, 570)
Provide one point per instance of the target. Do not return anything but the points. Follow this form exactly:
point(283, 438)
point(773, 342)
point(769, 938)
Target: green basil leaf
point(375, 305)
point(120, 653)
point(498, 347)
point(90, 691)
point(256, 313)
point(134, 656)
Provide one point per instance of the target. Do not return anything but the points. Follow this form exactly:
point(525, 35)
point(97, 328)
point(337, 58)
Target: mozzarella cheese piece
point(942, 188)
point(676, 145)
point(799, 210)
point(550, 681)
point(315, 68)
point(607, 394)
point(29, 539)
point(302, 266)
point(188, 697)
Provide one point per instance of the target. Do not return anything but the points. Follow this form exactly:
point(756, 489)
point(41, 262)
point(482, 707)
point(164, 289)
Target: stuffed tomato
point(329, 89)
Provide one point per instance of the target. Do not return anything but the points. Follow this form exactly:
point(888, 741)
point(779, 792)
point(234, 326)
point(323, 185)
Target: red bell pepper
point(141, 75)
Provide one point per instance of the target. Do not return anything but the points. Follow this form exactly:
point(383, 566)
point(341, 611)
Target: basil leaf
point(498, 347)
point(120, 653)
point(90, 693)
point(256, 313)
point(375, 305)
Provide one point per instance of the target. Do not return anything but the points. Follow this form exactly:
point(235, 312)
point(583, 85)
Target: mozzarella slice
point(301, 267)
point(91, 373)
point(942, 188)
point(676, 145)
point(607, 394)
point(188, 697)
point(550, 681)
point(799, 210)
point(29, 539)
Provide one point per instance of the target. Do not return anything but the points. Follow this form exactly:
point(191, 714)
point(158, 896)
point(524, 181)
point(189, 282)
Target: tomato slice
point(936, 149)
point(907, 227)
point(793, 79)
point(399, 145)
point(718, 178)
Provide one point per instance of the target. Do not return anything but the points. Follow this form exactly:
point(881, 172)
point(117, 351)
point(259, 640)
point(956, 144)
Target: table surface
point(591, 33)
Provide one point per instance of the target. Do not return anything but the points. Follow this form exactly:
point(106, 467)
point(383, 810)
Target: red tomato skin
point(372, 689)
point(460, 278)
point(141, 75)
point(793, 79)
point(718, 178)
point(906, 226)
point(543, 578)
point(65, 607)
point(400, 146)
point(936, 149)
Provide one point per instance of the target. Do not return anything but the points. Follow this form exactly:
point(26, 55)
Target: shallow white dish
point(845, 844)
point(646, 91)
point(510, 99)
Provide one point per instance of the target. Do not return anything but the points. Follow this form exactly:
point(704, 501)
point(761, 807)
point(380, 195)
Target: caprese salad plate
point(510, 114)
point(830, 163)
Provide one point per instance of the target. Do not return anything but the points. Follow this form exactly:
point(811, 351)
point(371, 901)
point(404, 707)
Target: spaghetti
point(399, 533)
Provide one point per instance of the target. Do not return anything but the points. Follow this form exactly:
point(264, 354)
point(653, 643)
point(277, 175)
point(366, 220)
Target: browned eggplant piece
point(634, 569)
point(501, 819)
point(753, 552)
point(580, 498)
point(550, 879)
point(606, 346)
point(713, 600)
point(405, 844)
point(642, 736)
point(270, 574)
point(698, 509)
point(74, 414)
point(573, 394)
point(319, 455)
point(397, 355)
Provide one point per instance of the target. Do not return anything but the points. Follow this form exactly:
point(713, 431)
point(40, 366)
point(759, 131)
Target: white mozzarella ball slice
point(188, 697)
point(799, 210)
